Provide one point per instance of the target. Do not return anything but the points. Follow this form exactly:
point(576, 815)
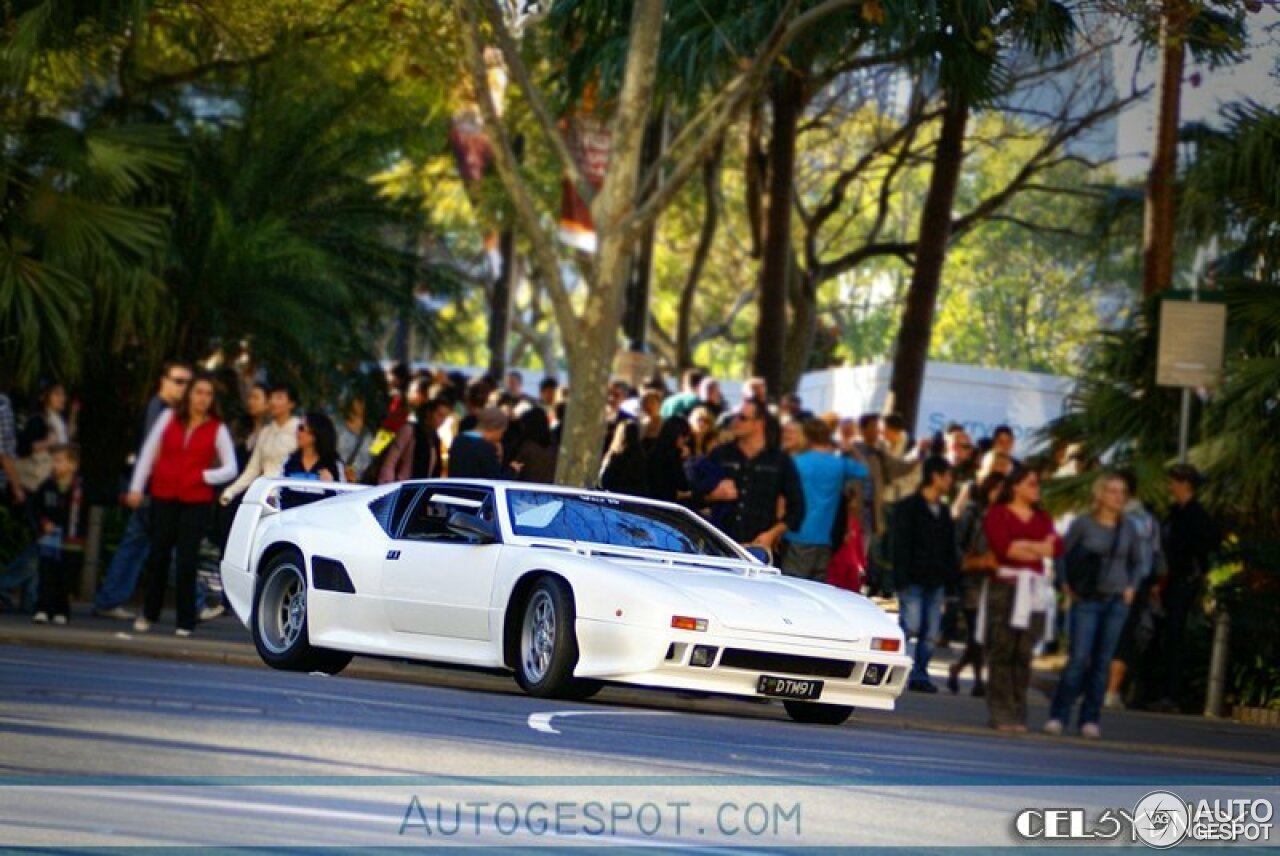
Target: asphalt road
point(103, 751)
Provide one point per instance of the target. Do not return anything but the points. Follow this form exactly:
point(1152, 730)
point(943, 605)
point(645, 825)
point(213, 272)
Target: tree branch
point(904, 250)
point(547, 122)
point(835, 198)
point(1039, 227)
point(1039, 162)
point(722, 328)
point(196, 72)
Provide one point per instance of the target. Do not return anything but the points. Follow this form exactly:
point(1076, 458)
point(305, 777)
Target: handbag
point(1084, 567)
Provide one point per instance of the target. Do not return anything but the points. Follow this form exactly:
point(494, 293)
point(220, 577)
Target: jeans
point(1093, 631)
point(920, 614)
point(126, 564)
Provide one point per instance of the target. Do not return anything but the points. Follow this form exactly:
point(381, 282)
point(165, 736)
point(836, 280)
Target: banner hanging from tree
point(588, 136)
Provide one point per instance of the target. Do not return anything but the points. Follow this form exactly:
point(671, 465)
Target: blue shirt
point(823, 476)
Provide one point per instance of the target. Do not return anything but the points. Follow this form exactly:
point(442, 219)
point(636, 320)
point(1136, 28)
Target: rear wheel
point(816, 713)
point(548, 650)
point(279, 621)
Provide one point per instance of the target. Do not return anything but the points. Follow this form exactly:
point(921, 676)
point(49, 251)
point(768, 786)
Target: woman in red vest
point(188, 451)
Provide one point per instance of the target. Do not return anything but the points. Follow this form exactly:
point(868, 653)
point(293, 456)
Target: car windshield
point(613, 522)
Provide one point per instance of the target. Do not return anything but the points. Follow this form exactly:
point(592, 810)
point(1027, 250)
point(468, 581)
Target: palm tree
point(280, 238)
point(970, 40)
point(82, 223)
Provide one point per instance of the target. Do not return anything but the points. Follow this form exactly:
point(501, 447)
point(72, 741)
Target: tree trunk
point(771, 326)
point(706, 237)
point(500, 309)
point(1160, 210)
point(635, 322)
point(804, 325)
point(916, 328)
point(591, 358)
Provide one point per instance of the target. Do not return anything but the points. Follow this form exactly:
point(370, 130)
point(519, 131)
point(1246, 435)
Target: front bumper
point(851, 674)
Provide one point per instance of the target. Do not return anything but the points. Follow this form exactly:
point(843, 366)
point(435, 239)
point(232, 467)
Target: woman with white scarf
point(1022, 536)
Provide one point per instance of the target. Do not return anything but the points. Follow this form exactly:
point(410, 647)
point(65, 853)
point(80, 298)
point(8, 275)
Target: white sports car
point(566, 588)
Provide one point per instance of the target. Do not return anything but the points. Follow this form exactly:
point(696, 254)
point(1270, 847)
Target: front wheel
point(816, 713)
point(279, 621)
point(548, 650)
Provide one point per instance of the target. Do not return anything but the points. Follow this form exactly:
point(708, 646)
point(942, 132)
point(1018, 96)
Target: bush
point(1247, 584)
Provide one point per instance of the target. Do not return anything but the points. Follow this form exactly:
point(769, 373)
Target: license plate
point(788, 687)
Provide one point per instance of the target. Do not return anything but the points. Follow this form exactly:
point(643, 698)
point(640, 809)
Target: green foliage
point(281, 239)
point(1246, 583)
point(78, 218)
point(239, 211)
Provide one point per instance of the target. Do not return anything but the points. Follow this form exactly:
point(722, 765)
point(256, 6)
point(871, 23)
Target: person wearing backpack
point(1103, 565)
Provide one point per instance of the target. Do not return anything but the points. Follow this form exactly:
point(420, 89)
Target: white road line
point(542, 721)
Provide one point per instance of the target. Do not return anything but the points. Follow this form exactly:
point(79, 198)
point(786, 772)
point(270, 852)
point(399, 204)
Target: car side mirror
point(473, 527)
point(759, 553)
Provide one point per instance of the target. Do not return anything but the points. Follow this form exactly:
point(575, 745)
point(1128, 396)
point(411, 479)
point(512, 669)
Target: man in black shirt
point(925, 563)
point(1190, 535)
point(477, 454)
point(762, 495)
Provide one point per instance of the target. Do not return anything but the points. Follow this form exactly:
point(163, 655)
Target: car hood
point(770, 603)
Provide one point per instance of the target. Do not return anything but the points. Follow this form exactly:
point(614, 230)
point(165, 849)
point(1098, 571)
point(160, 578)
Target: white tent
point(978, 398)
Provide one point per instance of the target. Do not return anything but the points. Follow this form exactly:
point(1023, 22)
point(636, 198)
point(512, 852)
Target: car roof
point(507, 484)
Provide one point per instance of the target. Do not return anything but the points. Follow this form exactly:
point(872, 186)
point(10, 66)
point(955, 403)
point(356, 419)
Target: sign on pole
point(1192, 340)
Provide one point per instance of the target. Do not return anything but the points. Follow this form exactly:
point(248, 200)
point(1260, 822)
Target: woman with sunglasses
point(188, 451)
point(317, 454)
point(1022, 537)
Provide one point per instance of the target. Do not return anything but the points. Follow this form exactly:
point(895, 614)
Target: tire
point(279, 622)
point(816, 713)
point(547, 649)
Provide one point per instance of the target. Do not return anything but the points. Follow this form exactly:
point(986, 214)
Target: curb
point(469, 680)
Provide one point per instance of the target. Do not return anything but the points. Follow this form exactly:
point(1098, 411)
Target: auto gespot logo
point(1161, 820)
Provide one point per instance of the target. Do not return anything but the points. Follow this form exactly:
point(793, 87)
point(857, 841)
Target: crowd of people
point(950, 525)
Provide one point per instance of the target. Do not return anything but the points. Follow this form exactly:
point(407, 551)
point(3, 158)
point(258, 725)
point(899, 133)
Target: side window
point(428, 519)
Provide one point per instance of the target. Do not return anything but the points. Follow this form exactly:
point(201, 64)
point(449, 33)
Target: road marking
point(542, 721)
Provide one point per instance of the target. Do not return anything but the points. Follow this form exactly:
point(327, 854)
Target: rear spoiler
point(265, 492)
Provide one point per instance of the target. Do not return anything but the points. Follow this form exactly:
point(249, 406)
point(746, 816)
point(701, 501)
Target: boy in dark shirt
point(56, 509)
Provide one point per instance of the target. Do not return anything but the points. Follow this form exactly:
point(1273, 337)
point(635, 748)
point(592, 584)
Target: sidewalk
point(225, 641)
